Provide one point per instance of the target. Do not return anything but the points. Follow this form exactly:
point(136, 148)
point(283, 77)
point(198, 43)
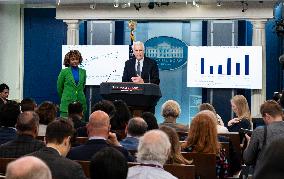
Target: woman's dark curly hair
point(71, 53)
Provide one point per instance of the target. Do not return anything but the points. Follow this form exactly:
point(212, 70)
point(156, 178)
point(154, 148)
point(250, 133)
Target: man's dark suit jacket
point(149, 71)
point(22, 145)
point(91, 147)
point(60, 167)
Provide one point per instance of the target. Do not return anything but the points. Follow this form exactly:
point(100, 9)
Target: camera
point(246, 131)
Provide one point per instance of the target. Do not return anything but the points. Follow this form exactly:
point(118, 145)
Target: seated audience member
point(170, 112)
point(153, 151)
point(220, 124)
point(175, 156)
point(271, 162)
point(202, 138)
point(243, 120)
point(4, 93)
point(108, 163)
point(98, 130)
point(121, 116)
point(135, 129)
point(8, 118)
point(47, 112)
point(28, 104)
point(103, 105)
point(25, 142)
point(28, 168)
point(272, 114)
point(58, 135)
point(151, 120)
point(76, 114)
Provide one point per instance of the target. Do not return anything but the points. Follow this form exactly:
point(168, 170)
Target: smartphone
point(246, 131)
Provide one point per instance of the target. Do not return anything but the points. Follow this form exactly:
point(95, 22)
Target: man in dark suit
point(141, 69)
point(135, 128)
point(58, 135)
point(99, 138)
point(25, 142)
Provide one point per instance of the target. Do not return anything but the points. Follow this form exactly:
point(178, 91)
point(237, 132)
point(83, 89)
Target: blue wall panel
point(44, 36)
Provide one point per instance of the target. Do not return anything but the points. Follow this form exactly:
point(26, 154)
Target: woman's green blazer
point(68, 91)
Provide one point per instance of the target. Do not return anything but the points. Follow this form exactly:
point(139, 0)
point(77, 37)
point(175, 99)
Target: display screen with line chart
point(103, 63)
point(224, 67)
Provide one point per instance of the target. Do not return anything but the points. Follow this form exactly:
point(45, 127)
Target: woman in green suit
point(71, 82)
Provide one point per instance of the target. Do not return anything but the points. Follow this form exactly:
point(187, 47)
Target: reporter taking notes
point(141, 69)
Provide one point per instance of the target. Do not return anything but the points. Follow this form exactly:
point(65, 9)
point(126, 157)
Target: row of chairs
point(180, 171)
point(203, 166)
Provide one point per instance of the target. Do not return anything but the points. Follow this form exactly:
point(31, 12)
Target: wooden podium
point(138, 97)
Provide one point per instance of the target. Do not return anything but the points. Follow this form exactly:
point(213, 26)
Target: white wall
point(11, 55)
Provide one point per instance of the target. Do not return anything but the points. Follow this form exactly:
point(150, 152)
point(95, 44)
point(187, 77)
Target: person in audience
point(202, 138)
point(151, 120)
point(135, 129)
point(108, 163)
point(8, 118)
point(175, 156)
point(272, 114)
point(103, 105)
point(271, 162)
point(4, 94)
point(153, 151)
point(241, 109)
point(25, 143)
point(71, 82)
point(220, 124)
point(120, 119)
point(76, 114)
point(121, 116)
point(47, 112)
point(99, 137)
point(28, 104)
point(58, 135)
point(171, 111)
point(28, 167)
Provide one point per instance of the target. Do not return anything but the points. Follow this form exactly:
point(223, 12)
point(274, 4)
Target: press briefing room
point(141, 89)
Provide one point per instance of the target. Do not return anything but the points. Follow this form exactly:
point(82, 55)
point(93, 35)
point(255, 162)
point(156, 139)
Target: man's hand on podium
point(137, 79)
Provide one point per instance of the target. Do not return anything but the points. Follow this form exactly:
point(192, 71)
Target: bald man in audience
point(135, 128)
point(28, 168)
point(153, 151)
point(99, 137)
point(25, 142)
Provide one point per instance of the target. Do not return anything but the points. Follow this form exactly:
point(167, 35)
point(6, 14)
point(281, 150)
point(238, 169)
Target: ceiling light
point(194, 3)
point(125, 5)
point(219, 4)
point(115, 3)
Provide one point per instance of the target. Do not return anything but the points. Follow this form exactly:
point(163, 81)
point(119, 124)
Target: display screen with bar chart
point(224, 67)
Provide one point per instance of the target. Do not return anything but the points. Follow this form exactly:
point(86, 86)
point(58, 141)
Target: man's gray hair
point(136, 127)
point(154, 146)
point(28, 167)
point(138, 43)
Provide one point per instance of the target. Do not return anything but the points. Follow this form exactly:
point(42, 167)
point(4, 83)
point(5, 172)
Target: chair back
point(205, 164)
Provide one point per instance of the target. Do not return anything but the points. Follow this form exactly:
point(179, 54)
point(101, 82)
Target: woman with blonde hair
point(175, 156)
point(241, 109)
point(202, 138)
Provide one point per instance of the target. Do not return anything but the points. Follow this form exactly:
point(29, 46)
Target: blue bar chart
point(225, 67)
point(238, 66)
